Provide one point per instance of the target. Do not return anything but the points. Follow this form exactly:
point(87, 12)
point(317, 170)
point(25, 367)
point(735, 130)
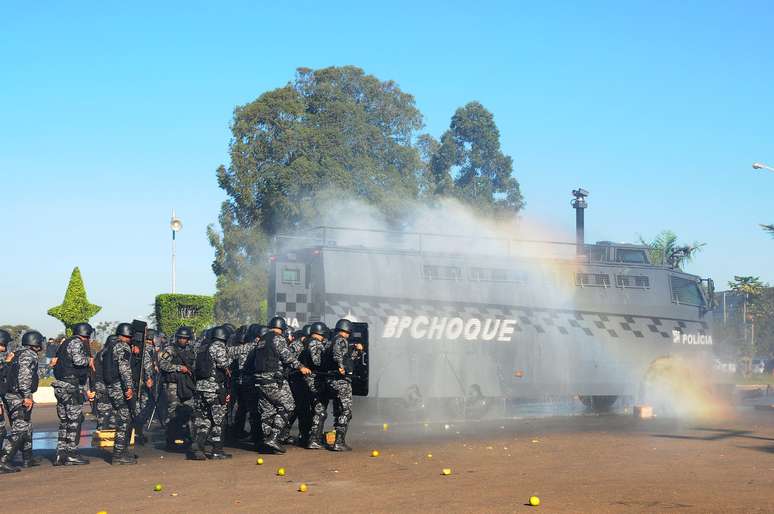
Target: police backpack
point(110, 373)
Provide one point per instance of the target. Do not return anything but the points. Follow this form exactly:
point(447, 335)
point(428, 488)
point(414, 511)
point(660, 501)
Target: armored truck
point(450, 316)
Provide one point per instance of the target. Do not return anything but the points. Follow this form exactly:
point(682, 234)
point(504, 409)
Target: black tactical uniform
point(339, 356)
point(141, 362)
point(22, 384)
point(72, 372)
point(299, 391)
point(176, 363)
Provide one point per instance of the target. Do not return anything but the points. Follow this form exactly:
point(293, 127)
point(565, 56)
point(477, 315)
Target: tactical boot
point(121, 458)
point(198, 450)
point(341, 445)
point(218, 453)
point(273, 445)
point(291, 440)
point(76, 459)
point(315, 439)
point(60, 459)
point(28, 460)
point(5, 457)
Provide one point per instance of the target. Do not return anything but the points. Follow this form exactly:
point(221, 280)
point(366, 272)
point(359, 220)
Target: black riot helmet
point(253, 332)
point(184, 332)
point(83, 330)
point(150, 334)
point(297, 335)
point(278, 322)
point(124, 329)
point(220, 334)
point(319, 328)
point(344, 325)
point(241, 334)
point(263, 331)
point(5, 337)
point(230, 329)
point(306, 330)
point(33, 338)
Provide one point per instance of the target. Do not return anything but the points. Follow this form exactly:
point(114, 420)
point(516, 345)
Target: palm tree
point(664, 249)
point(769, 229)
point(747, 285)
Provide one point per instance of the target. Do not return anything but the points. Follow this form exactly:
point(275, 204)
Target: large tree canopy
point(339, 133)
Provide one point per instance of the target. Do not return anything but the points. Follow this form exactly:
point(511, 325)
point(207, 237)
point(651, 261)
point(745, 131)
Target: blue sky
point(110, 116)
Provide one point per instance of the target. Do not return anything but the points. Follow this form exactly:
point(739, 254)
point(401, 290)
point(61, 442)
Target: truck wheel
point(598, 403)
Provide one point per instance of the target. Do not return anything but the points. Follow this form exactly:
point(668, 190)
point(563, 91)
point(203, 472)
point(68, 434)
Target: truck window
point(291, 275)
point(592, 280)
point(630, 256)
point(686, 292)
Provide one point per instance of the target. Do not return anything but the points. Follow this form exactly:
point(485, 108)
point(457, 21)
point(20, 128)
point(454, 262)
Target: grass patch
point(754, 380)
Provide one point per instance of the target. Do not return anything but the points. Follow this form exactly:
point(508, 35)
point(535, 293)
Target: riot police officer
point(212, 396)
point(105, 417)
point(143, 371)
point(5, 340)
point(311, 357)
point(298, 389)
point(23, 383)
point(117, 373)
point(72, 366)
point(244, 385)
point(338, 362)
point(177, 365)
point(274, 397)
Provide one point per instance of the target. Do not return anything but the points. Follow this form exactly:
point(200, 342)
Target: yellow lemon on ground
point(303, 488)
point(157, 487)
point(429, 455)
point(259, 461)
point(534, 501)
point(281, 472)
point(446, 471)
point(375, 453)
point(102, 512)
point(385, 426)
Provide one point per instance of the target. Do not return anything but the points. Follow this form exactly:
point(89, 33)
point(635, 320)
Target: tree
point(468, 164)
point(769, 229)
point(75, 307)
point(15, 330)
point(747, 285)
point(333, 132)
point(664, 249)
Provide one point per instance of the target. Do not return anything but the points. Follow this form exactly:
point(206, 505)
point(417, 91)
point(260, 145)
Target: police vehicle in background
point(447, 318)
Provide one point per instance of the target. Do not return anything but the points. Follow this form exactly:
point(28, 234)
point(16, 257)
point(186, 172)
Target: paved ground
point(589, 463)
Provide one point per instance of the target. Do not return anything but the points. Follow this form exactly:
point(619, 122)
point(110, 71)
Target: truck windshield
point(686, 292)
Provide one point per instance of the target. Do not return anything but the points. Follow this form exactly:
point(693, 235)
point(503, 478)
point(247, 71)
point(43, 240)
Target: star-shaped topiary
point(75, 307)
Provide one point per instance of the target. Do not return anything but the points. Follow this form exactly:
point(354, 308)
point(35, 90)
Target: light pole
point(761, 166)
point(176, 225)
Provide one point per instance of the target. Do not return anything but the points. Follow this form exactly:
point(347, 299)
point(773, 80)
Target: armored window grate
point(291, 276)
point(632, 281)
point(592, 280)
point(497, 275)
point(436, 272)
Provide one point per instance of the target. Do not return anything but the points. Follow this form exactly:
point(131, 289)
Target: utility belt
point(72, 380)
point(277, 378)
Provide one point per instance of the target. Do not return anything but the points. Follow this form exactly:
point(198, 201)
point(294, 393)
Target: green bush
point(75, 307)
point(174, 310)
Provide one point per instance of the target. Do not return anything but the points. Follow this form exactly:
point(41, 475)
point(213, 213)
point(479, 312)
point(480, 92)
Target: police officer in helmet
point(22, 384)
point(338, 362)
point(5, 340)
point(275, 399)
point(121, 390)
point(177, 366)
point(72, 365)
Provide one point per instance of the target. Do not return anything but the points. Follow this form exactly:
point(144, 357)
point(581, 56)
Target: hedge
point(174, 310)
point(75, 307)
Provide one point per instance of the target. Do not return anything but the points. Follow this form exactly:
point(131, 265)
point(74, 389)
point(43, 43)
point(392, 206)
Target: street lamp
point(176, 225)
point(761, 166)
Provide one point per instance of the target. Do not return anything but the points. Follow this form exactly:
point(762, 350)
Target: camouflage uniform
point(19, 417)
point(180, 400)
point(121, 356)
point(318, 404)
point(274, 397)
point(339, 390)
point(247, 400)
point(299, 390)
point(69, 397)
point(141, 390)
point(210, 405)
point(105, 418)
point(2, 400)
